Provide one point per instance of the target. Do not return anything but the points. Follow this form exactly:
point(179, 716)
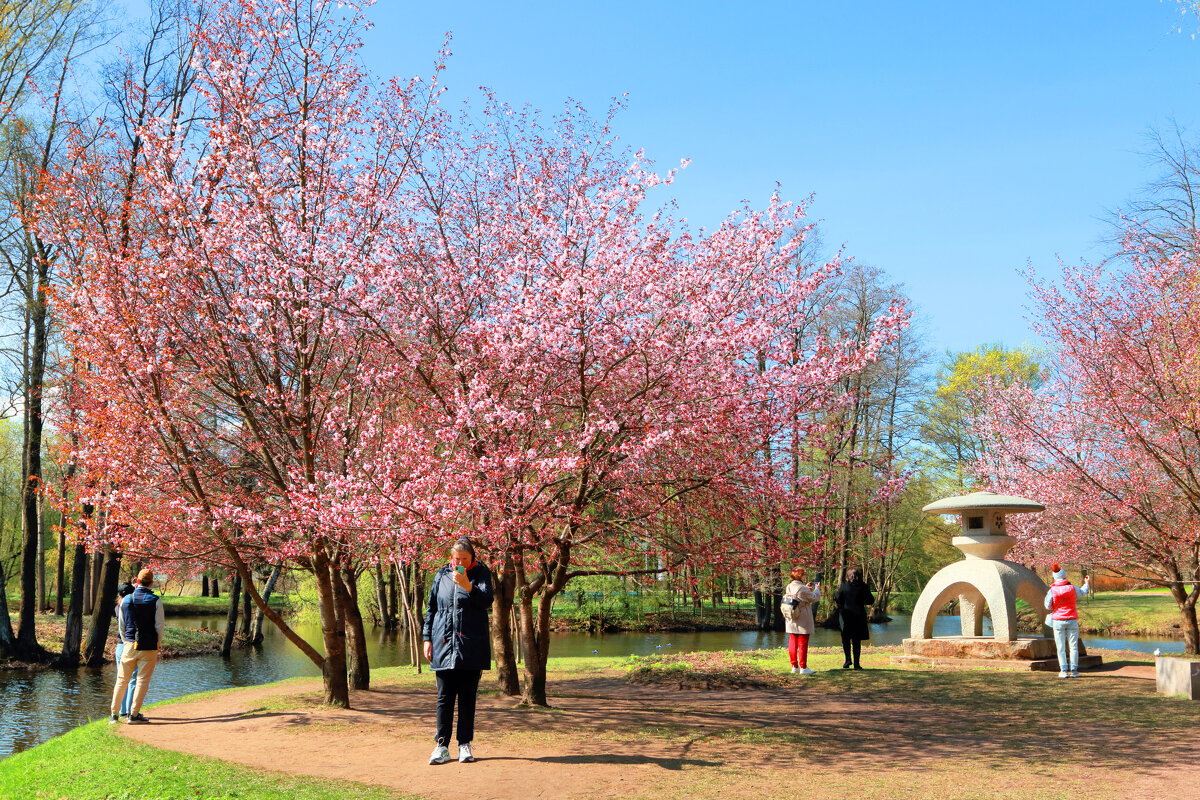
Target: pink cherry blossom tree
point(594, 378)
point(1110, 442)
point(207, 293)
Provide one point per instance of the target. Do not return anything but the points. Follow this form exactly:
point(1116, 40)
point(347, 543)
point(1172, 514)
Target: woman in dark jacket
point(852, 598)
point(457, 645)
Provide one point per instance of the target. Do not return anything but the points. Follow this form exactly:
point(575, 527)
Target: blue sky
point(948, 143)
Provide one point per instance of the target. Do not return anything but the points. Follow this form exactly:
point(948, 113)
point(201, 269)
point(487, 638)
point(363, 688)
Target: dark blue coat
point(456, 622)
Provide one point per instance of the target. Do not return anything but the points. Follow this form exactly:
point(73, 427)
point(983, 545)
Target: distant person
point(798, 598)
point(123, 592)
point(1064, 619)
point(144, 622)
point(458, 645)
point(852, 599)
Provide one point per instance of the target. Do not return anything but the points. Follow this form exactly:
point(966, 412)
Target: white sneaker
point(1064, 674)
point(795, 670)
point(441, 754)
point(1074, 673)
point(464, 753)
point(807, 671)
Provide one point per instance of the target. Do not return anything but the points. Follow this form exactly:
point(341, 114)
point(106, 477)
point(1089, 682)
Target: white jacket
point(800, 618)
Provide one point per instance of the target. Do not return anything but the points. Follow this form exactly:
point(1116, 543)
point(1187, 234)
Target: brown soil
point(606, 739)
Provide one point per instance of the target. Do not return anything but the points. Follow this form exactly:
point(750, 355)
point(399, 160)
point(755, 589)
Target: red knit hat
point(1055, 567)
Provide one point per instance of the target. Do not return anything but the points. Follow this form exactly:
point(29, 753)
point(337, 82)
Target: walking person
point(852, 599)
point(798, 598)
point(458, 645)
point(124, 591)
point(1064, 619)
point(142, 612)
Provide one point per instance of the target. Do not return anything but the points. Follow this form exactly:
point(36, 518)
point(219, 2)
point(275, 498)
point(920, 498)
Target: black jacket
point(456, 622)
point(852, 599)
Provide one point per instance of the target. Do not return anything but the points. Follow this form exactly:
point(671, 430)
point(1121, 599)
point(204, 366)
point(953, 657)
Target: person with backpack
point(142, 613)
point(1064, 619)
point(123, 591)
point(798, 599)
point(458, 645)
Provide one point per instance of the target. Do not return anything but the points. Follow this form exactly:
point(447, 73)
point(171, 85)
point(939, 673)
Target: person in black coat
point(852, 599)
point(457, 645)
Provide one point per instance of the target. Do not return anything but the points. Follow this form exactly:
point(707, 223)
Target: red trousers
point(798, 649)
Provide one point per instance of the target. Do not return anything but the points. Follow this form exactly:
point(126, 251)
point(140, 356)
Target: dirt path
point(607, 739)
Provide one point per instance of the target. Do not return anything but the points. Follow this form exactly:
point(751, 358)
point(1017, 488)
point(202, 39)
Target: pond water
point(35, 706)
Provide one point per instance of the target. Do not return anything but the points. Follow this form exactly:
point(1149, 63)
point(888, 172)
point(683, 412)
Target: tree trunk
point(1187, 612)
point(41, 555)
point(762, 611)
point(103, 613)
point(381, 597)
point(231, 616)
point(7, 639)
point(60, 569)
point(73, 634)
point(504, 585)
point(333, 635)
point(215, 588)
point(534, 691)
point(393, 598)
point(246, 620)
point(266, 598)
point(204, 586)
point(94, 584)
point(357, 666)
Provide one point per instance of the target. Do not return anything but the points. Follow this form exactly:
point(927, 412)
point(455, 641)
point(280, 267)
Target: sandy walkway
point(606, 738)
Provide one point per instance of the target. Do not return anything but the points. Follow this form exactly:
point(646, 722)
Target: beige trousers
point(141, 660)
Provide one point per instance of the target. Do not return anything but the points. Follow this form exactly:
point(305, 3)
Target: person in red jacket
point(1064, 619)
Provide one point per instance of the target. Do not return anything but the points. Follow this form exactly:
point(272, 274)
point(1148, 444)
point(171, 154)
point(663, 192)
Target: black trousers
point(848, 643)
point(463, 685)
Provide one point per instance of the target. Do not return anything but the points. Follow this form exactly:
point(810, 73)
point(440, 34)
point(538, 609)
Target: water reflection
point(35, 706)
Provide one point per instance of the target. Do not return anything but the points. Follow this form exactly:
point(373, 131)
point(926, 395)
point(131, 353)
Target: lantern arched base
point(976, 583)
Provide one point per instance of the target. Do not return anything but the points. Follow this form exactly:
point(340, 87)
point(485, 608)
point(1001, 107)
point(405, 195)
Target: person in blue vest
point(457, 645)
point(123, 593)
point(144, 622)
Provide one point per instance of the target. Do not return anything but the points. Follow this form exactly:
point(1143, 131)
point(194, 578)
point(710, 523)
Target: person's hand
point(460, 578)
point(429, 651)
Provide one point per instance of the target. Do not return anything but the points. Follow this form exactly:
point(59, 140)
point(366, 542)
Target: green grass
point(96, 763)
point(1130, 614)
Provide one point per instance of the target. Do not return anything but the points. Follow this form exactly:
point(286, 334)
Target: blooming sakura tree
point(334, 322)
point(208, 294)
point(594, 378)
point(1111, 441)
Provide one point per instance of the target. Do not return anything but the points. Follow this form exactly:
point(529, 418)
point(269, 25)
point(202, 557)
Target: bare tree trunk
point(104, 611)
point(504, 589)
point(246, 620)
point(73, 634)
point(393, 597)
point(7, 639)
point(215, 588)
point(381, 597)
point(410, 604)
point(333, 634)
point(93, 583)
point(204, 585)
point(266, 597)
point(60, 569)
point(41, 554)
point(231, 616)
point(358, 668)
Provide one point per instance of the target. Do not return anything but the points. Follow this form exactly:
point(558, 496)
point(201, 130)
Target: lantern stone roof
point(978, 501)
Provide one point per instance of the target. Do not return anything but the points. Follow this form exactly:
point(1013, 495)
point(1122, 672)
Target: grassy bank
point(176, 641)
point(95, 763)
point(174, 605)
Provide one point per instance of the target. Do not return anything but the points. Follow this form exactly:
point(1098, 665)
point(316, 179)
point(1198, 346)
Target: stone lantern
point(984, 577)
